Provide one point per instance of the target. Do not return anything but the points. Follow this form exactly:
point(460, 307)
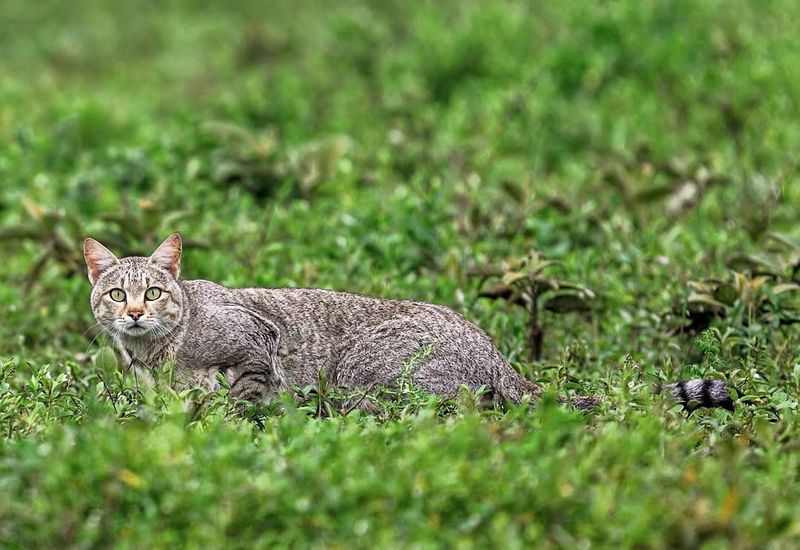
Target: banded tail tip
point(698, 393)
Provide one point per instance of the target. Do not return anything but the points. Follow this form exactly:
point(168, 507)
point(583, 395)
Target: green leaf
point(568, 303)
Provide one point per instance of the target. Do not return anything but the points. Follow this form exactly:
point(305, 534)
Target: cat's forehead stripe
point(136, 277)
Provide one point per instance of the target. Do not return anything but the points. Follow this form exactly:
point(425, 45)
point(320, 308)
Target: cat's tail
point(512, 386)
point(698, 393)
point(692, 394)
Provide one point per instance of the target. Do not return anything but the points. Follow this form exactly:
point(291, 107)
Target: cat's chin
point(137, 331)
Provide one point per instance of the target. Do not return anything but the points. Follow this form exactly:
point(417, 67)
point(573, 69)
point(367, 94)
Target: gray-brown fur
point(266, 340)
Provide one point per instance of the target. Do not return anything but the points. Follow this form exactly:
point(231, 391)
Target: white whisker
point(103, 330)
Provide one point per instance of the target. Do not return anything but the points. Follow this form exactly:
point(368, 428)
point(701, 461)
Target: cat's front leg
point(142, 376)
point(253, 382)
point(242, 344)
point(184, 377)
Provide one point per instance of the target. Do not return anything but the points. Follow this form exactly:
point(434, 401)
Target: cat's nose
point(135, 315)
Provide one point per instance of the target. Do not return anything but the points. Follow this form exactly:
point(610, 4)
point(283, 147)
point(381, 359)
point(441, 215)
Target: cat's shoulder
point(203, 288)
point(209, 301)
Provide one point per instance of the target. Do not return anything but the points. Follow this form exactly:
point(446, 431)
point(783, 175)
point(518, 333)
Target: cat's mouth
point(136, 329)
point(141, 328)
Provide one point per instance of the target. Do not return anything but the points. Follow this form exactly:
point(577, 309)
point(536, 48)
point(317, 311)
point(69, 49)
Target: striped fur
point(698, 393)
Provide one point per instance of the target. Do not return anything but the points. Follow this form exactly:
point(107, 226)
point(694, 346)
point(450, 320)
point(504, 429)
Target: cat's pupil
point(153, 293)
point(118, 295)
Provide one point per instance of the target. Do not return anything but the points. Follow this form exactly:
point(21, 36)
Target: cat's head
point(136, 297)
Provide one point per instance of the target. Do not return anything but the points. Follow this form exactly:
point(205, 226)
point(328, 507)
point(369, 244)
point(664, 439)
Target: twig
point(349, 409)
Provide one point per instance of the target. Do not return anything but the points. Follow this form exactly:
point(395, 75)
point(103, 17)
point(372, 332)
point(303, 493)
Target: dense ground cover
point(649, 150)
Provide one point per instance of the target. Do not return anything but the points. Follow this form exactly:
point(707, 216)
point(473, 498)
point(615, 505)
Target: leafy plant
point(57, 234)
point(523, 283)
point(743, 300)
point(259, 163)
point(53, 231)
point(675, 185)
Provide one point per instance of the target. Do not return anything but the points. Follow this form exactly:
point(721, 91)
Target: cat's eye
point(117, 294)
point(153, 293)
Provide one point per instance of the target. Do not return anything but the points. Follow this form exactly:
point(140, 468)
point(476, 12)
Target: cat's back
point(331, 318)
point(289, 301)
point(344, 307)
point(206, 298)
point(321, 308)
point(315, 300)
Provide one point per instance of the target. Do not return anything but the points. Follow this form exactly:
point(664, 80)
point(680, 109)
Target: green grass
point(390, 148)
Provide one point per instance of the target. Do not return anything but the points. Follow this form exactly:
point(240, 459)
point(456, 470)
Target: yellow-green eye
point(153, 293)
point(117, 294)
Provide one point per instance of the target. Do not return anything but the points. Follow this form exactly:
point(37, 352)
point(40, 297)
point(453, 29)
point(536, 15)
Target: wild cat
point(266, 340)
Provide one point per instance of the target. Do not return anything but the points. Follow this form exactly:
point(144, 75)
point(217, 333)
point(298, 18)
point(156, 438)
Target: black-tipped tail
point(698, 393)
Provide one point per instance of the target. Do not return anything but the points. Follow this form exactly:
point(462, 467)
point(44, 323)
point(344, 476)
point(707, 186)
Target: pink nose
point(135, 316)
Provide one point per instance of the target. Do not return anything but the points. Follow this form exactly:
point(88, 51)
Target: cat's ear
point(168, 255)
point(98, 259)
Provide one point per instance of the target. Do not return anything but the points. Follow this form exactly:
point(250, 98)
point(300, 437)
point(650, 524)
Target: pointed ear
point(98, 259)
point(168, 255)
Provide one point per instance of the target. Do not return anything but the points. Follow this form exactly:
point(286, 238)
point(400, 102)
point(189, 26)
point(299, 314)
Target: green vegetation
point(410, 149)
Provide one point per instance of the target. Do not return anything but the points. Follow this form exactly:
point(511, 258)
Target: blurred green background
point(397, 149)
